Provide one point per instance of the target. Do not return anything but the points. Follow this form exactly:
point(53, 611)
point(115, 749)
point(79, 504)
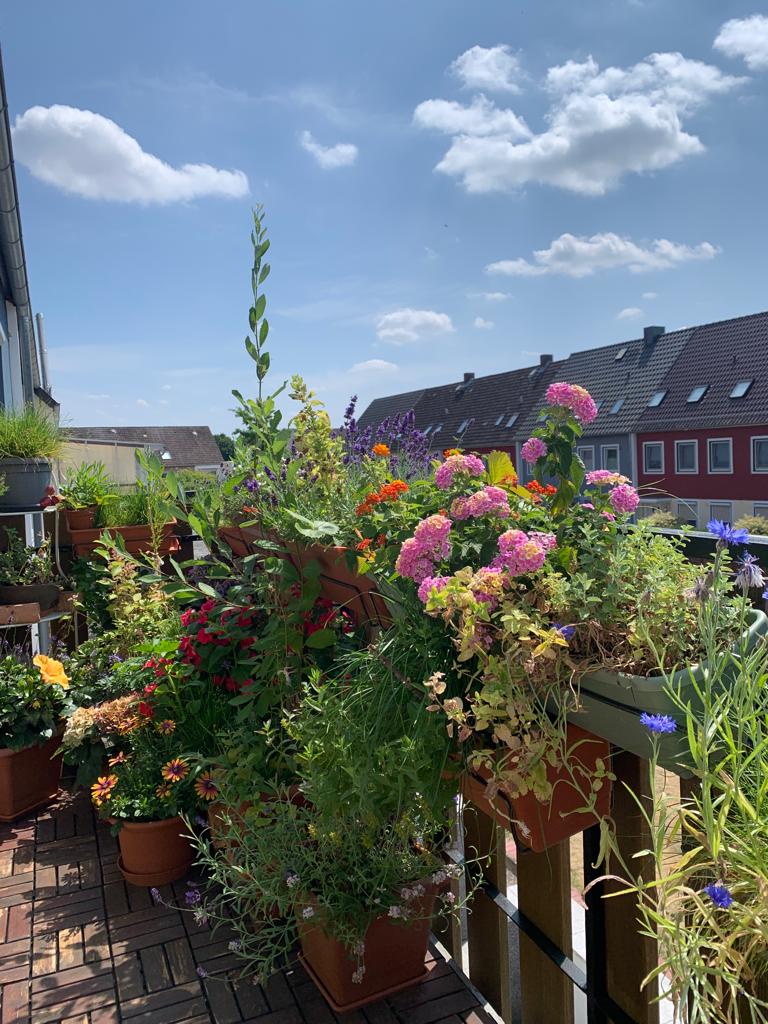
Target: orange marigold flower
point(101, 790)
point(381, 449)
point(364, 544)
point(206, 787)
point(175, 770)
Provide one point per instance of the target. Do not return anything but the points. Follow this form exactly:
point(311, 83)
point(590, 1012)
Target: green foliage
point(661, 518)
point(30, 708)
point(86, 486)
point(19, 565)
point(28, 433)
point(193, 480)
point(226, 446)
point(128, 509)
point(757, 525)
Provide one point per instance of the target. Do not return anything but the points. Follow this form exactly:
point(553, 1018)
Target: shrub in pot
point(33, 699)
point(28, 576)
point(83, 490)
point(29, 441)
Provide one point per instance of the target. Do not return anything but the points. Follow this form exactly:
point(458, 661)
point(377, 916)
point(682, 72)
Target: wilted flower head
point(749, 574)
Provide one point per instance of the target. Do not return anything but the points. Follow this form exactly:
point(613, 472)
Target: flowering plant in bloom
point(33, 699)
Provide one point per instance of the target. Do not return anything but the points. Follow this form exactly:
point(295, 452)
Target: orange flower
point(206, 787)
point(451, 451)
point(175, 770)
point(51, 671)
point(101, 790)
point(166, 727)
point(117, 759)
point(364, 544)
point(381, 449)
point(163, 791)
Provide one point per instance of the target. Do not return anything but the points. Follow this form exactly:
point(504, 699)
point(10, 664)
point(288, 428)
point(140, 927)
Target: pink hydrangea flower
point(429, 544)
point(533, 450)
point(547, 540)
point(624, 499)
point(521, 553)
point(560, 393)
point(413, 562)
point(573, 397)
point(509, 540)
point(489, 501)
point(488, 585)
point(430, 583)
point(469, 464)
point(605, 476)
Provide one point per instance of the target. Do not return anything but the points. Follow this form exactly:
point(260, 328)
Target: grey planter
point(611, 705)
point(25, 481)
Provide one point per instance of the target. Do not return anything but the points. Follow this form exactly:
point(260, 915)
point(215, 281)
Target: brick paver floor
point(79, 946)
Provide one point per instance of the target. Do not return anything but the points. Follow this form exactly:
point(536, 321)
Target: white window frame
point(587, 448)
point(724, 519)
point(652, 444)
point(719, 440)
point(607, 448)
point(688, 510)
point(760, 508)
point(689, 472)
point(756, 437)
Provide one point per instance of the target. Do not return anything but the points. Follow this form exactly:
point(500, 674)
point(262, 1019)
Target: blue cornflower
point(720, 895)
point(727, 534)
point(566, 632)
point(192, 897)
point(658, 723)
point(748, 573)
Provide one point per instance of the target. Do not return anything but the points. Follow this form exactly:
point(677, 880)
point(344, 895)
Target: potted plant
point(33, 698)
point(83, 490)
point(29, 442)
point(28, 576)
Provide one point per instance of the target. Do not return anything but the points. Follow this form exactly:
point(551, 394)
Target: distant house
point(702, 445)
point(179, 447)
point(20, 379)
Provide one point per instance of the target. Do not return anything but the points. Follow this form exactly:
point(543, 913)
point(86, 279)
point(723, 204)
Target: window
point(512, 420)
point(722, 510)
point(598, 403)
point(616, 407)
point(741, 388)
point(688, 512)
point(499, 420)
point(609, 454)
point(656, 399)
point(653, 457)
point(760, 508)
point(437, 429)
point(587, 456)
point(620, 355)
point(760, 454)
point(720, 454)
point(686, 456)
point(698, 393)
point(463, 426)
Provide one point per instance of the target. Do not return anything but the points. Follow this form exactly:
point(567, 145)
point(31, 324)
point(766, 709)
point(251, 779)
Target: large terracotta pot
point(540, 825)
point(29, 778)
point(394, 958)
point(346, 587)
point(154, 853)
point(80, 518)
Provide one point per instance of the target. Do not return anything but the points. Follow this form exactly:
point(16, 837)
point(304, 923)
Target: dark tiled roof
point(634, 377)
point(719, 355)
point(382, 409)
point(189, 446)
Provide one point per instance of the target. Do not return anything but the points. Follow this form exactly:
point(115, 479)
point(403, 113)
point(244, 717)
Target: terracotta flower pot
point(29, 778)
point(393, 959)
point(80, 518)
point(540, 825)
point(346, 587)
point(154, 853)
point(138, 539)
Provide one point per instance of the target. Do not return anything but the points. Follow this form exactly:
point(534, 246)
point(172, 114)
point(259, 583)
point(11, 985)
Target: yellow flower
point(51, 671)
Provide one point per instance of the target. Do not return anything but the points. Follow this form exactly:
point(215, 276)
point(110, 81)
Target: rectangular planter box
point(138, 539)
point(612, 704)
point(29, 778)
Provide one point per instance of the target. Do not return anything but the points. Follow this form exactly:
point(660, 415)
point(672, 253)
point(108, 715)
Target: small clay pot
point(154, 853)
point(80, 518)
point(29, 778)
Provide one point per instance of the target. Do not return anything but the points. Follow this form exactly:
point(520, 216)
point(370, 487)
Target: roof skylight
point(741, 388)
point(512, 420)
point(499, 420)
point(698, 393)
point(656, 399)
point(620, 355)
point(616, 407)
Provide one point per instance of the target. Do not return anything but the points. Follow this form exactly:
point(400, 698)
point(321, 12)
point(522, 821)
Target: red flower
point(218, 680)
point(244, 620)
point(230, 684)
point(247, 641)
point(146, 709)
point(150, 688)
point(208, 606)
point(187, 617)
point(203, 637)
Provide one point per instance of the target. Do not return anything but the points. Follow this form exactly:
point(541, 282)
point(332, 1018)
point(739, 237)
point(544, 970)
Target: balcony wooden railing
point(542, 987)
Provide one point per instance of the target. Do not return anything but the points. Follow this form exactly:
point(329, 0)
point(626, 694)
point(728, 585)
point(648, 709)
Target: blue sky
point(449, 187)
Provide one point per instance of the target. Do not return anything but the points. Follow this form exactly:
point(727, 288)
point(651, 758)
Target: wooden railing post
point(544, 896)
point(487, 925)
point(629, 955)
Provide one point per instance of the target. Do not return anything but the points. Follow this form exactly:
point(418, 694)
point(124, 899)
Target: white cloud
point(88, 155)
point(494, 68)
point(579, 256)
point(600, 126)
point(491, 296)
point(374, 366)
point(142, 402)
point(404, 325)
point(166, 387)
point(481, 117)
point(430, 253)
point(483, 325)
point(649, 295)
point(747, 38)
point(341, 155)
point(629, 313)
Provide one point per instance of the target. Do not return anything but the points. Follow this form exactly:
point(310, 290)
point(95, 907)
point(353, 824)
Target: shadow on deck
point(79, 946)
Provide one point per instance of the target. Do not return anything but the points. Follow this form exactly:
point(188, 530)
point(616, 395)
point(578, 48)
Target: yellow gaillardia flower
point(51, 671)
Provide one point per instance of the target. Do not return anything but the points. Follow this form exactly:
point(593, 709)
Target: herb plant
point(28, 433)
